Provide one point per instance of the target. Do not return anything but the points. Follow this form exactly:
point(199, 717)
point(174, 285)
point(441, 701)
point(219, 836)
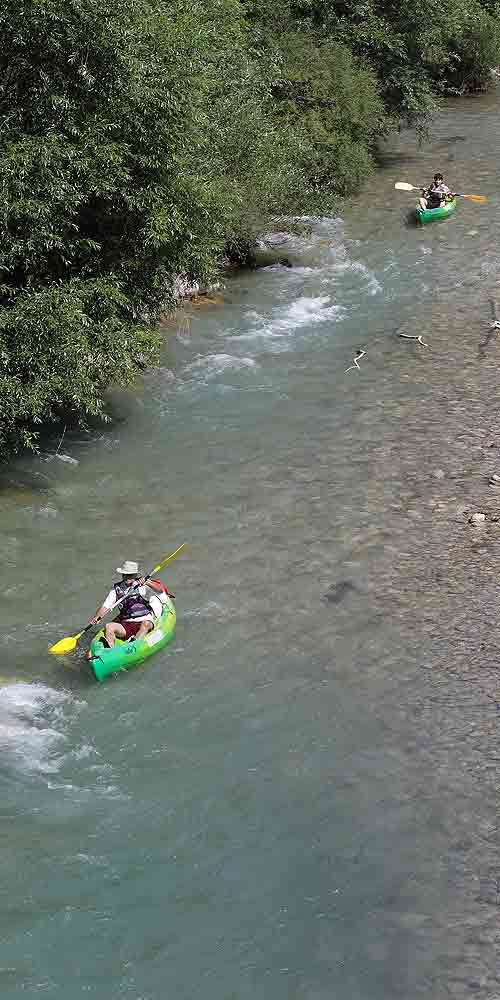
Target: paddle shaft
point(404, 186)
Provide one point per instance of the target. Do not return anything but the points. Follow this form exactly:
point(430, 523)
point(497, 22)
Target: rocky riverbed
point(434, 466)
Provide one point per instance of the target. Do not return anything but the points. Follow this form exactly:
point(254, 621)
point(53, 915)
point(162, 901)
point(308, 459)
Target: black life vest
point(434, 199)
point(134, 606)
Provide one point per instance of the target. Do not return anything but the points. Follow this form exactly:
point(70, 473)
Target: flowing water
point(293, 800)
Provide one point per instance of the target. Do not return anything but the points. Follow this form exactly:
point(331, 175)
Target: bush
point(124, 160)
point(333, 101)
point(473, 54)
point(141, 139)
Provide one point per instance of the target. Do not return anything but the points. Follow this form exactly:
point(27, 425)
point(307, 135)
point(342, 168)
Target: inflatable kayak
point(431, 214)
point(131, 652)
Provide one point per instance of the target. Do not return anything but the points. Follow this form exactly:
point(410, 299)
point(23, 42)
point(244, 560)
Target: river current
point(292, 801)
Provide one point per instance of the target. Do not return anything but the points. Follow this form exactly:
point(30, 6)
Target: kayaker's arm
point(110, 601)
point(106, 606)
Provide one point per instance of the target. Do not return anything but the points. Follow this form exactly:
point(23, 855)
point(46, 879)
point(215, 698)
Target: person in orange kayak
point(436, 194)
point(140, 609)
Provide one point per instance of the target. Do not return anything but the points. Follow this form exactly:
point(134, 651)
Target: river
point(297, 799)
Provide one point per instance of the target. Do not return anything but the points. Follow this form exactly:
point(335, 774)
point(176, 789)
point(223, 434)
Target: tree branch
point(410, 336)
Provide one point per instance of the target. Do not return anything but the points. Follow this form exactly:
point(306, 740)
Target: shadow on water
point(386, 159)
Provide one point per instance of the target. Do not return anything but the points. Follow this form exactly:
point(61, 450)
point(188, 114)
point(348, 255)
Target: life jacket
point(434, 198)
point(134, 606)
point(436, 194)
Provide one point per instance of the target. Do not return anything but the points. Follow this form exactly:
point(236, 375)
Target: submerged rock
point(477, 519)
point(336, 593)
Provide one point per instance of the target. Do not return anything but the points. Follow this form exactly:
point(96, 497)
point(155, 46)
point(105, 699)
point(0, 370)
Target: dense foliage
point(145, 140)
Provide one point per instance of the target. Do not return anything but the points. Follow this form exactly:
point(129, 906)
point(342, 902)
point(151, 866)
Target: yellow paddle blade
point(65, 645)
point(475, 197)
point(168, 559)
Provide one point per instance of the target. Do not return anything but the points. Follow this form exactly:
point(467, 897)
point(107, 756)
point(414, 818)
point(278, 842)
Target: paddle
point(403, 186)
point(68, 644)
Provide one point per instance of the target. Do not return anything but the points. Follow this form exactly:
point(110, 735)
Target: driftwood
point(61, 440)
point(495, 324)
point(410, 336)
point(360, 353)
point(492, 329)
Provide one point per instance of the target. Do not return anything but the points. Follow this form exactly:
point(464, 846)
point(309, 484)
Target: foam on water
point(33, 722)
point(283, 322)
point(212, 365)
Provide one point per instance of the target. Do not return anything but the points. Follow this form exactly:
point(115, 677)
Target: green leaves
point(98, 212)
point(143, 139)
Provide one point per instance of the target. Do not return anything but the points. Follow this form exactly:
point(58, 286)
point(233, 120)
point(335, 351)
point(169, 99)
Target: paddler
point(435, 195)
point(138, 613)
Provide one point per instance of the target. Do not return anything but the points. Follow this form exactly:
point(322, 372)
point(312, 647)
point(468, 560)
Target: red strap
point(162, 585)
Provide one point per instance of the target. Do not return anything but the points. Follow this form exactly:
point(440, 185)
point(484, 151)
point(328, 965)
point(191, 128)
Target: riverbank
point(433, 452)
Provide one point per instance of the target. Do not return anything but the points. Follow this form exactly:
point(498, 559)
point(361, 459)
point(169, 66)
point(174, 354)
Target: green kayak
point(126, 654)
point(431, 214)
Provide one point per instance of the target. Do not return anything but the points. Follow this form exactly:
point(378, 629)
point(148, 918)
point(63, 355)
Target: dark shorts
point(131, 628)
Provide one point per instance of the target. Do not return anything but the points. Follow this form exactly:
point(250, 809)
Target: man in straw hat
point(137, 613)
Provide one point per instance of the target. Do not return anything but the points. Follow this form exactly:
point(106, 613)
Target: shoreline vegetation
point(145, 141)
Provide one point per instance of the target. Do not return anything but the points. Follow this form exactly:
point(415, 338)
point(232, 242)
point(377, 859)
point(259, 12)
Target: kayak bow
point(432, 214)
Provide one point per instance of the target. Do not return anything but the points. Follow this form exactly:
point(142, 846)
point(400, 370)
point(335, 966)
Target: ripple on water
point(283, 322)
point(212, 365)
point(372, 285)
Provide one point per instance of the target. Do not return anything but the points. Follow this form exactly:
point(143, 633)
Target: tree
point(96, 214)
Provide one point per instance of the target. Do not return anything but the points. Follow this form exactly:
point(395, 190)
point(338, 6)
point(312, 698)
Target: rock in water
point(477, 519)
point(336, 593)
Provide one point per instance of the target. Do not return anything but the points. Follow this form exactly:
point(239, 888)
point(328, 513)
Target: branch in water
point(409, 336)
point(494, 325)
point(360, 353)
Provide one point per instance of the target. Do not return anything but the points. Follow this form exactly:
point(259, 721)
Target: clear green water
point(282, 804)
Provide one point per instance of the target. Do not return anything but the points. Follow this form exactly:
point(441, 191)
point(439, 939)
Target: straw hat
point(129, 568)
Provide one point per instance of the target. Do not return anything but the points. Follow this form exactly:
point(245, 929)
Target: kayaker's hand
point(141, 581)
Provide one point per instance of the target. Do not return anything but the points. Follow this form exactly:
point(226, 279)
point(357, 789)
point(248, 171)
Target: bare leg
point(114, 630)
point(423, 202)
point(144, 628)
